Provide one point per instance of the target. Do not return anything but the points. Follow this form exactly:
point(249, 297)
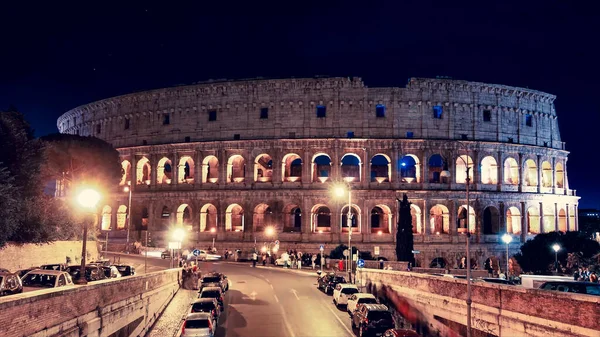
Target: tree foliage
point(538, 257)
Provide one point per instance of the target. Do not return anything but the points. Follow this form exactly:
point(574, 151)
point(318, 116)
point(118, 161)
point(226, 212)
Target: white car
point(43, 279)
point(359, 298)
point(342, 293)
point(280, 262)
point(203, 256)
point(199, 324)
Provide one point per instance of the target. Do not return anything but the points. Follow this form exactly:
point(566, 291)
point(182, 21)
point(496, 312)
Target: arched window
point(355, 219)
point(560, 176)
point(491, 220)
point(236, 169)
point(489, 171)
point(462, 219)
point(321, 219)
point(513, 220)
point(511, 171)
point(562, 220)
point(164, 171)
point(262, 217)
point(106, 217)
point(463, 163)
point(547, 174)
point(533, 220)
point(143, 171)
point(380, 168)
point(291, 168)
point(184, 216)
point(531, 174)
point(210, 170)
point(121, 217)
point(234, 218)
point(126, 178)
point(437, 166)
point(263, 168)
point(409, 169)
point(415, 212)
point(321, 168)
point(439, 218)
point(186, 169)
point(351, 167)
point(208, 218)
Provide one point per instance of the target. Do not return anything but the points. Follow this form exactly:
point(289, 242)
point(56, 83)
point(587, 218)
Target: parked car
point(110, 272)
point(342, 293)
point(40, 278)
point(10, 283)
point(198, 325)
point(328, 282)
point(359, 298)
point(22, 272)
point(92, 273)
point(588, 288)
point(55, 266)
point(125, 270)
point(400, 333)
point(208, 305)
point(215, 280)
point(372, 319)
point(280, 261)
point(213, 292)
point(102, 263)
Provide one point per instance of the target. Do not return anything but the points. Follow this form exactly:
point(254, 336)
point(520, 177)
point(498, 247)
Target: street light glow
point(178, 234)
point(212, 230)
point(88, 198)
point(556, 247)
point(340, 191)
point(507, 238)
point(263, 249)
point(126, 189)
point(269, 231)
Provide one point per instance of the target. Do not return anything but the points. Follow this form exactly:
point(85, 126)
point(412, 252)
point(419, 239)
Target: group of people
point(584, 274)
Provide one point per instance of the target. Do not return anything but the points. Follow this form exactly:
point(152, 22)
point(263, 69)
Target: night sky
point(54, 57)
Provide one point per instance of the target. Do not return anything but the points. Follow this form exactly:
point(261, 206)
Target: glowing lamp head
point(88, 198)
point(213, 230)
point(403, 164)
point(178, 234)
point(126, 189)
point(556, 247)
point(263, 249)
point(320, 231)
point(379, 233)
point(340, 191)
point(507, 238)
point(269, 231)
point(275, 249)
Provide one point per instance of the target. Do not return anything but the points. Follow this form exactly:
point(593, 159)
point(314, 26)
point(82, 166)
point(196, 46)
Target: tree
point(9, 206)
point(404, 234)
point(338, 252)
point(538, 257)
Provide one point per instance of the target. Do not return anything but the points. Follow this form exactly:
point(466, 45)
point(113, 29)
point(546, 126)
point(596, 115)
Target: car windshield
point(211, 279)
point(39, 280)
point(348, 291)
point(196, 324)
point(122, 268)
point(203, 307)
point(210, 294)
point(367, 301)
point(51, 267)
point(379, 315)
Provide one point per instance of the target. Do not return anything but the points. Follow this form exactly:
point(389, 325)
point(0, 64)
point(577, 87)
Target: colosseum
point(229, 159)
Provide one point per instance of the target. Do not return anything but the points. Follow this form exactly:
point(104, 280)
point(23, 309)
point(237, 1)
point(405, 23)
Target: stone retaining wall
point(20, 256)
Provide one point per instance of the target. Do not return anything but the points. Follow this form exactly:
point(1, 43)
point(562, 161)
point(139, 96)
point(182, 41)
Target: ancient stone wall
point(14, 256)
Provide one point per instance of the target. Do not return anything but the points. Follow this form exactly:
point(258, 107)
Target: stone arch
point(381, 219)
point(531, 173)
point(415, 213)
point(321, 167)
point(234, 218)
point(208, 218)
point(463, 163)
point(121, 217)
point(491, 220)
point(292, 221)
point(547, 180)
point(533, 220)
point(143, 171)
point(562, 220)
point(236, 169)
point(106, 218)
point(351, 167)
point(210, 169)
point(438, 169)
point(263, 168)
point(560, 175)
point(409, 168)
point(165, 218)
point(439, 219)
point(186, 169)
point(262, 217)
point(356, 217)
point(381, 170)
point(489, 171)
point(513, 220)
point(462, 219)
point(438, 262)
point(549, 221)
point(291, 166)
point(164, 171)
point(184, 216)
point(126, 178)
point(321, 219)
point(511, 171)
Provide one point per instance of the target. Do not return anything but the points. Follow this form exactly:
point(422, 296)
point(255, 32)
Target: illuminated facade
point(239, 156)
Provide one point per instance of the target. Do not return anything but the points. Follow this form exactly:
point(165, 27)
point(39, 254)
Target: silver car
point(199, 324)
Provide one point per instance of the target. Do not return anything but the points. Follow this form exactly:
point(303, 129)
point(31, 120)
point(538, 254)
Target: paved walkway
point(169, 323)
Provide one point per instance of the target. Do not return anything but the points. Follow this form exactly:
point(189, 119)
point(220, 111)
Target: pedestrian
point(313, 258)
point(254, 259)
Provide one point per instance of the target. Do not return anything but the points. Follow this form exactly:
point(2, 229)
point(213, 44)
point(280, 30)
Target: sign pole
point(146, 255)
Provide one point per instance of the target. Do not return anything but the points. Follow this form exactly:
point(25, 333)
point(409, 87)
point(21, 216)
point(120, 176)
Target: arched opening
point(208, 218)
point(186, 170)
point(513, 220)
point(511, 171)
point(438, 262)
point(463, 163)
point(145, 218)
point(437, 165)
point(106, 218)
point(121, 217)
point(549, 222)
point(291, 166)
point(263, 168)
point(321, 219)
point(321, 168)
point(409, 169)
point(143, 170)
point(381, 219)
point(547, 174)
point(234, 218)
point(415, 213)
point(262, 217)
point(355, 218)
point(533, 220)
point(462, 219)
point(439, 218)
point(489, 171)
point(531, 174)
point(210, 169)
point(380, 168)
point(562, 220)
point(164, 172)
point(572, 222)
point(236, 169)
point(292, 221)
point(351, 167)
point(126, 178)
point(184, 216)
point(491, 220)
point(560, 176)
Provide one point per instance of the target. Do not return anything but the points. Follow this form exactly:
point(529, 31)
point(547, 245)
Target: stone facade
point(229, 159)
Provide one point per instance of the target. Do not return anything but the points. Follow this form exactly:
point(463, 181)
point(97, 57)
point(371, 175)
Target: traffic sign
point(196, 252)
point(360, 263)
point(276, 242)
point(346, 252)
point(321, 247)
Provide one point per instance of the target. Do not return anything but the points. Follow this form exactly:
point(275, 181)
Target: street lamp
point(556, 248)
point(507, 238)
point(446, 173)
point(88, 199)
point(128, 189)
point(340, 191)
point(178, 235)
point(269, 231)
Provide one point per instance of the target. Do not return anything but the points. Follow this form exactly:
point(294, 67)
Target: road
point(261, 302)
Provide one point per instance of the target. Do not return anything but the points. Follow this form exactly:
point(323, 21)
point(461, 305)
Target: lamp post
point(87, 198)
point(213, 231)
point(340, 191)
point(556, 248)
point(178, 235)
point(128, 189)
point(507, 238)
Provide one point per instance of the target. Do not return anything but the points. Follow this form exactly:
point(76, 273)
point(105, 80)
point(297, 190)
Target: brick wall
point(14, 257)
point(89, 308)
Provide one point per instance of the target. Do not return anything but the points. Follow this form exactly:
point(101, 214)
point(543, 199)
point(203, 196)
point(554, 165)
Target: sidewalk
point(169, 322)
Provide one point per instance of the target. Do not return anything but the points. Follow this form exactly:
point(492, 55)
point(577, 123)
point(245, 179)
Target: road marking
point(266, 279)
point(276, 299)
point(295, 294)
point(272, 286)
point(286, 322)
point(339, 320)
